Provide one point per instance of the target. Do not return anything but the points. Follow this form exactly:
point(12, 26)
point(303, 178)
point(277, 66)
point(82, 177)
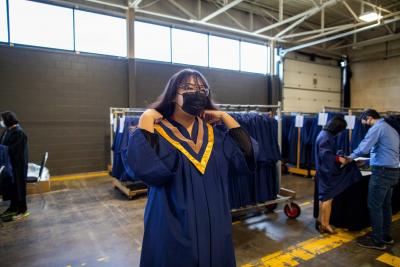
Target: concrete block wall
point(63, 99)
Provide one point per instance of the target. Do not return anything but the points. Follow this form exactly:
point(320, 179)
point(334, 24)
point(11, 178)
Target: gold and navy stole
point(198, 153)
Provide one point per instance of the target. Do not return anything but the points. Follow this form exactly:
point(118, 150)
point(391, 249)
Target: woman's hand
point(148, 119)
point(212, 116)
point(153, 114)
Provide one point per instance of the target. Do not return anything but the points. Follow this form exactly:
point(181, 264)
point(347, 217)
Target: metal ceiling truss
point(289, 30)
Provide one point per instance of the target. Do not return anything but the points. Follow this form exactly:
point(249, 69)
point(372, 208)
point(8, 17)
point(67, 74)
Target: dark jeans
point(380, 200)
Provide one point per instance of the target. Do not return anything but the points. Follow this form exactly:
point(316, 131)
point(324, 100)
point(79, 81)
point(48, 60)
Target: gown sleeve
point(327, 158)
point(141, 159)
point(241, 150)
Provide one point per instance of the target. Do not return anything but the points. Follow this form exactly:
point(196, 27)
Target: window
point(3, 21)
point(224, 53)
point(101, 34)
point(189, 48)
point(253, 58)
point(152, 42)
point(38, 24)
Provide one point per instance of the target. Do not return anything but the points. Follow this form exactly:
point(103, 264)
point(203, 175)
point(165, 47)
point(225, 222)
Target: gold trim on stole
point(200, 134)
point(200, 165)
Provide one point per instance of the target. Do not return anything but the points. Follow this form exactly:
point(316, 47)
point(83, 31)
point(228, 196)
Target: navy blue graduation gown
point(332, 180)
point(187, 219)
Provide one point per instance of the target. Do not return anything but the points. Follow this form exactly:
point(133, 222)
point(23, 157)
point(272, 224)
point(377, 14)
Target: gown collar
point(199, 151)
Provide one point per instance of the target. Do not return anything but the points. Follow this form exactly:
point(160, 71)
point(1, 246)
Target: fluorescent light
point(370, 16)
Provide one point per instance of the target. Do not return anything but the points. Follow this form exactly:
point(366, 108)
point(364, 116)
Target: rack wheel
point(271, 207)
point(293, 211)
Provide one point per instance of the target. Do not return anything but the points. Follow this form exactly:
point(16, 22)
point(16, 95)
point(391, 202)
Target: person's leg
point(326, 207)
point(377, 192)
point(387, 217)
point(392, 178)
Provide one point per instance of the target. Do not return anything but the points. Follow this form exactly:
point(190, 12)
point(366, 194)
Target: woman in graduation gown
point(17, 142)
point(184, 160)
point(329, 174)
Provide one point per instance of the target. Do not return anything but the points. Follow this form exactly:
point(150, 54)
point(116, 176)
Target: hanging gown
point(331, 178)
point(187, 219)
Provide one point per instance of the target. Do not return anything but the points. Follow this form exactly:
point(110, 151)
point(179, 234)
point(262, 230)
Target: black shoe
point(9, 212)
point(388, 240)
point(368, 242)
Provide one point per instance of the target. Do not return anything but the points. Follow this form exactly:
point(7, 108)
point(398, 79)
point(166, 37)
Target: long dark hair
point(165, 103)
point(336, 125)
point(9, 118)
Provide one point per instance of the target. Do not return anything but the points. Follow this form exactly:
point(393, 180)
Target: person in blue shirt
point(185, 161)
point(382, 143)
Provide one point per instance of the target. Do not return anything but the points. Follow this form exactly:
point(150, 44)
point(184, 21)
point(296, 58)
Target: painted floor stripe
point(389, 259)
point(78, 176)
point(311, 248)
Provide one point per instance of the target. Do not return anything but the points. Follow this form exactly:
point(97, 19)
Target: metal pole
point(279, 163)
point(272, 57)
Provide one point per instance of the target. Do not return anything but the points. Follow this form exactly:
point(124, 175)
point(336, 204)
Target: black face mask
point(194, 103)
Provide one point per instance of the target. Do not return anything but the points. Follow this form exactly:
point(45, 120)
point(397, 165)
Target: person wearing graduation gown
point(184, 160)
point(17, 142)
point(328, 171)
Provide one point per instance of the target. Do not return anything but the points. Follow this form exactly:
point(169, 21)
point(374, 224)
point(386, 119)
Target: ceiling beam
point(233, 19)
point(374, 6)
point(134, 3)
point(351, 11)
point(108, 4)
point(182, 9)
point(316, 31)
point(312, 11)
point(207, 24)
point(341, 35)
point(221, 10)
point(373, 41)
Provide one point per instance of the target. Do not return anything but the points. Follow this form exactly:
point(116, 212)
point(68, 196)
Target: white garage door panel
point(309, 87)
point(306, 81)
point(309, 101)
point(312, 68)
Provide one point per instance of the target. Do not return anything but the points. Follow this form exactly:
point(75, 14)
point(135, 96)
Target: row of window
point(38, 24)
point(162, 43)
point(44, 25)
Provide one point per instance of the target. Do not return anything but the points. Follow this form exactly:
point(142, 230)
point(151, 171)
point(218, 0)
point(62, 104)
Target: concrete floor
point(88, 223)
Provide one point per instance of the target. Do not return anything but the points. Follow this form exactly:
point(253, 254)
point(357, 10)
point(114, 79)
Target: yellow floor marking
point(78, 176)
point(305, 203)
point(313, 247)
point(389, 259)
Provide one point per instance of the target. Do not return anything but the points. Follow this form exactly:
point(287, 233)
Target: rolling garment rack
point(129, 188)
point(297, 169)
point(291, 209)
point(286, 196)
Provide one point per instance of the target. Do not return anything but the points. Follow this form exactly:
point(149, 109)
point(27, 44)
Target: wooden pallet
point(38, 188)
point(130, 190)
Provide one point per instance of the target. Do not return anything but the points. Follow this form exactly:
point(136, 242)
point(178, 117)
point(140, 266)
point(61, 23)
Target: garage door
point(309, 87)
